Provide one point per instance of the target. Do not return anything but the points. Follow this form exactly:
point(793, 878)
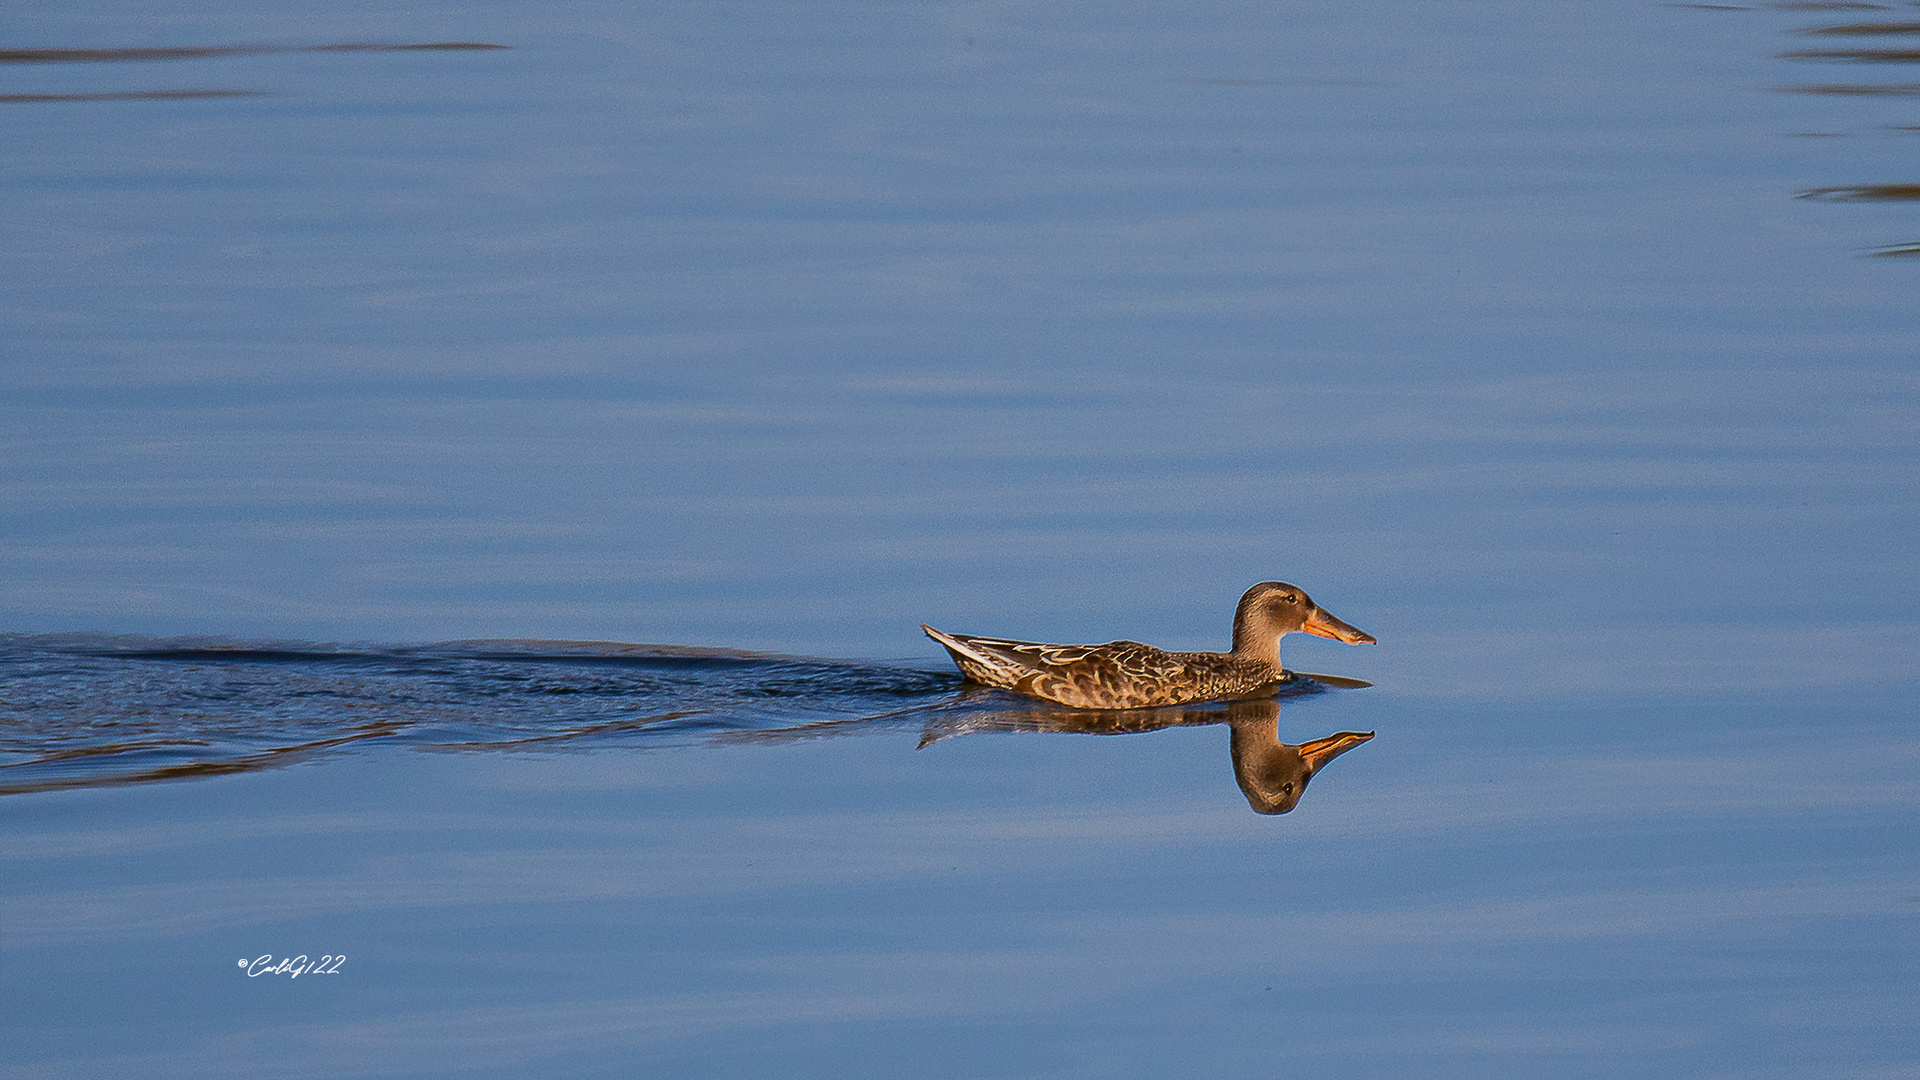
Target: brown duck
point(1129, 675)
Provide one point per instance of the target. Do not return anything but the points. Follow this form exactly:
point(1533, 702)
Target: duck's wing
point(1116, 675)
point(1119, 675)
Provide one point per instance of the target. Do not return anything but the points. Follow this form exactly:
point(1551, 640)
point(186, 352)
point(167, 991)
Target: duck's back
point(1116, 675)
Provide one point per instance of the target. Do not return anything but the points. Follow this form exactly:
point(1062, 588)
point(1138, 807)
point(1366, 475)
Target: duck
point(1130, 675)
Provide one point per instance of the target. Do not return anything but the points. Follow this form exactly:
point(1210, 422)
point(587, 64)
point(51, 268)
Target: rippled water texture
point(86, 711)
point(1566, 348)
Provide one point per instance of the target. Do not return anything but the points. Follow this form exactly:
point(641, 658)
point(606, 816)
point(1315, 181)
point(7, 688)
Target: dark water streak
point(1864, 193)
point(1854, 89)
point(200, 52)
point(1828, 5)
point(129, 95)
point(196, 52)
point(1858, 56)
point(1875, 29)
point(1858, 193)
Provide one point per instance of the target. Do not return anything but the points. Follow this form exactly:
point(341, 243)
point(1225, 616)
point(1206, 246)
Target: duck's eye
point(1293, 599)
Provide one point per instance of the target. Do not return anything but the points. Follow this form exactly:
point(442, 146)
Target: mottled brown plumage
point(1129, 675)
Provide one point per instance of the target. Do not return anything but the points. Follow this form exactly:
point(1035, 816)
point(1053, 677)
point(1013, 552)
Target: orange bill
point(1321, 624)
point(1320, 751)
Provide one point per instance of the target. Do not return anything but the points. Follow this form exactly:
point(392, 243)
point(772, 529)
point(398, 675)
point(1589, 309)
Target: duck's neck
point(1255, 639)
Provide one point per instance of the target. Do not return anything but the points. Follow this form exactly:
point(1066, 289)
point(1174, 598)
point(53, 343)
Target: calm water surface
point(1567, 348)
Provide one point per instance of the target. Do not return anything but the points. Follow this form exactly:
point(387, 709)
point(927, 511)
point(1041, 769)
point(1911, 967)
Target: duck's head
point(1274, 608)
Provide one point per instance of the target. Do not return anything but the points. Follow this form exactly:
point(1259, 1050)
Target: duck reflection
point(1272, 774)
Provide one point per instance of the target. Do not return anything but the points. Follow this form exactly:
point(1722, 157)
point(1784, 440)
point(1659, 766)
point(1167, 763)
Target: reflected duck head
point(1273, 609)
point(1272, 774)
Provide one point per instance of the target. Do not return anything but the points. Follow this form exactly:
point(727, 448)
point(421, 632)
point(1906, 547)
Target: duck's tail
point(958, 647)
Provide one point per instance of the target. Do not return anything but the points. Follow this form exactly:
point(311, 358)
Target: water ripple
point(90, 710)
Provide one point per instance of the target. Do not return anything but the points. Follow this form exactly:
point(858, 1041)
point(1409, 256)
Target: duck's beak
point(1321, 624)
point(1320, 751)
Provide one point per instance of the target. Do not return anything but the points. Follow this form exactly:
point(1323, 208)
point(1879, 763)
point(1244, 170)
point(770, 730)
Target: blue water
point(362, 405)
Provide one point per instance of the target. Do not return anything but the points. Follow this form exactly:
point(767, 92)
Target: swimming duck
point(1129, 675)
